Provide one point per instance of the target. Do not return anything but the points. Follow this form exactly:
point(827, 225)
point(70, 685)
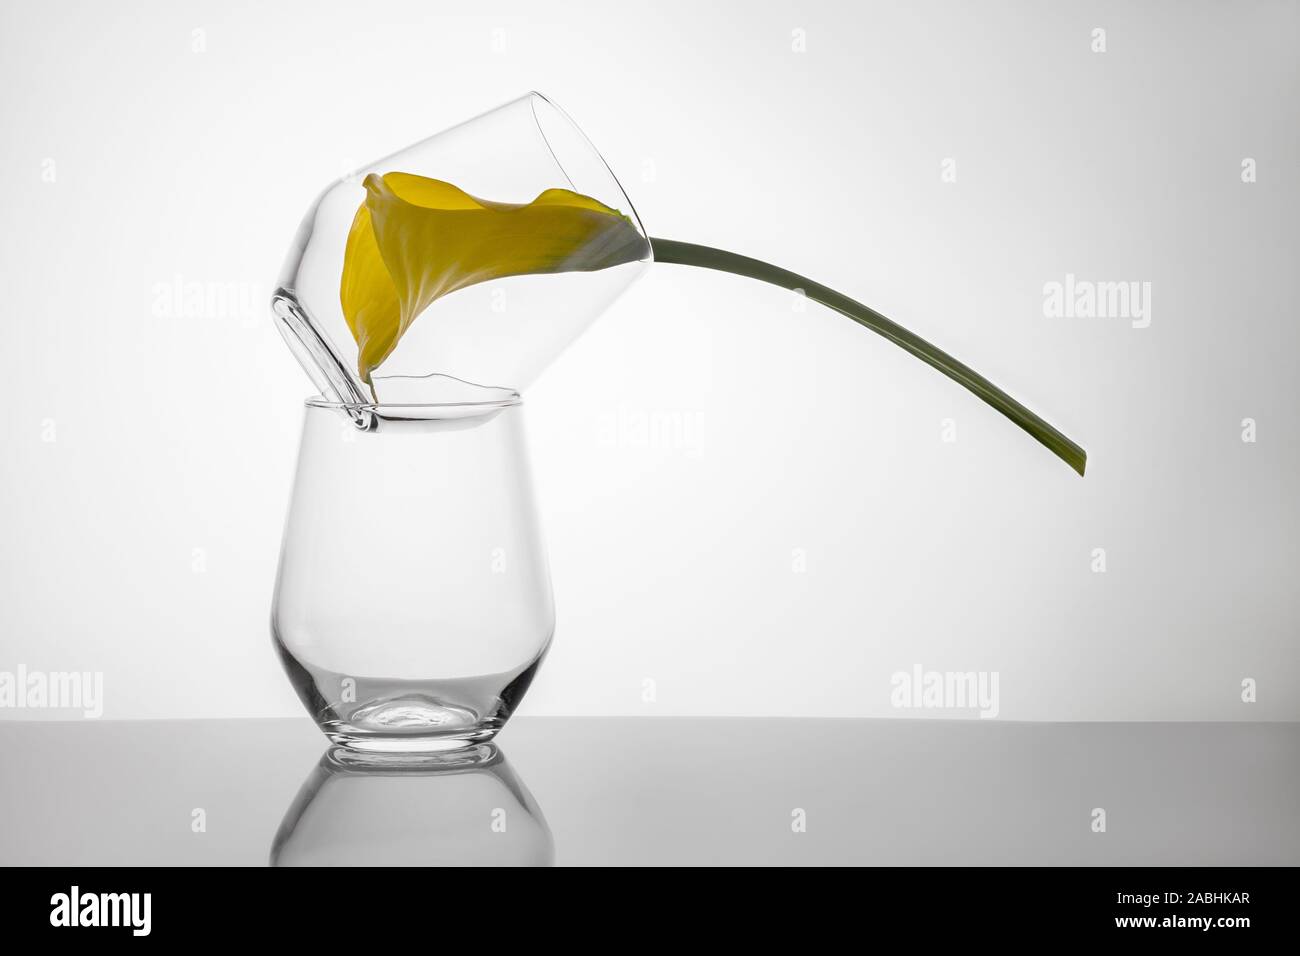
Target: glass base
point(414, 723)
point(393, 716)
point(406, 745)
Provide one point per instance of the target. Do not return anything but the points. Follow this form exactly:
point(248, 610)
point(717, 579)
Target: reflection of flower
point(415, 239)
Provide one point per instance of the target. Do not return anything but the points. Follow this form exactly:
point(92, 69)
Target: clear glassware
point(494, 333)
point(413, 600)
point(466, 808)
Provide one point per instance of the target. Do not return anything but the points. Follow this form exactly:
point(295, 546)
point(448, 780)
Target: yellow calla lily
point(415, 239)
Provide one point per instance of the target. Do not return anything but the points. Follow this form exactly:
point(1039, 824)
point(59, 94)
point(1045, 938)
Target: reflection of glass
point(497, 334)
point(413, 603)
point(459, 809)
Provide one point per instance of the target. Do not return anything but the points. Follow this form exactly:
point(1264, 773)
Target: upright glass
point(413, 601)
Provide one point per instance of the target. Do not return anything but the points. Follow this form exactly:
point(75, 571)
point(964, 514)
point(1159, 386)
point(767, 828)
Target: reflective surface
point(658, 791)
point(465, 808)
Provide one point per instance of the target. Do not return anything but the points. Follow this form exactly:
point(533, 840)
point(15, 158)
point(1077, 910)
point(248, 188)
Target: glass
point(462, 809)
point(495, 334)
point(413, 601)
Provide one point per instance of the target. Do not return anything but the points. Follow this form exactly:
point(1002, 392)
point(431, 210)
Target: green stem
point(689, 254)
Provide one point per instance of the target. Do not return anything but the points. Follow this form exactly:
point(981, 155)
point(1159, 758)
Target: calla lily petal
point(415, 239)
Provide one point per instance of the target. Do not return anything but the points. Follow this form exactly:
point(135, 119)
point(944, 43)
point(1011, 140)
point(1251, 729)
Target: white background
point(142, 540)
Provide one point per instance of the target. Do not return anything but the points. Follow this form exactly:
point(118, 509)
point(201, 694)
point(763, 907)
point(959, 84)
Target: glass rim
point(320, 401)
point(536, 96)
